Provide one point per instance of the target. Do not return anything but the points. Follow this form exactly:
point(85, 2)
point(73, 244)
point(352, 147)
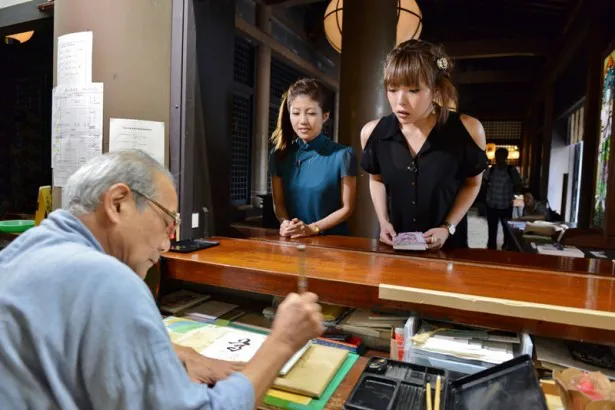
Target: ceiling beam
point(289, 3)
point(491, 77)
point(22, 14)
point(576, 33)
point(492, 48)
point(277, 47)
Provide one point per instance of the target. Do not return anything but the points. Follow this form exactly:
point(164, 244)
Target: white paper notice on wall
point(74, 62)
point(76, 128)
point(147, 136)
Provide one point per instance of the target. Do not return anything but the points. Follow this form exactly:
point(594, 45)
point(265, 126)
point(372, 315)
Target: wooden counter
point(602, 267)
point(541, 301)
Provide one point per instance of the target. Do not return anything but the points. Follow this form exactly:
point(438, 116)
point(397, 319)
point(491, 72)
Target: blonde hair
point(416, 61)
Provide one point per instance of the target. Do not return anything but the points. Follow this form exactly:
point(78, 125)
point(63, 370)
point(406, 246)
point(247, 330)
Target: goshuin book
point(181, 300)
point(409, 241)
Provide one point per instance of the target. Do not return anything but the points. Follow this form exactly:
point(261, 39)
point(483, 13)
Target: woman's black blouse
point(421, 189)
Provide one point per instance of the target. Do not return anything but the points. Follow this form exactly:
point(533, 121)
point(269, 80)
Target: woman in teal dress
point(313, 178)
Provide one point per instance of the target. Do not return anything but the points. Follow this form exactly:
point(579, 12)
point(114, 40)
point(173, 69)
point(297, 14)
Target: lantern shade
point(21, 37)
point(333, 24)
point(409, 22)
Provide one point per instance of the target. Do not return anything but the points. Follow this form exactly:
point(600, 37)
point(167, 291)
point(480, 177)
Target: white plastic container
point(443, 361)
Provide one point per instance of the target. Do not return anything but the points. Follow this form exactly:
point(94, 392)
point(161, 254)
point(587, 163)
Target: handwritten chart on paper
point(77, 128)
point(74, 62)
point(137, 134)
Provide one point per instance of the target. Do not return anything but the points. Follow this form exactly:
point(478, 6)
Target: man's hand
point(204, 370)
point(298, 319)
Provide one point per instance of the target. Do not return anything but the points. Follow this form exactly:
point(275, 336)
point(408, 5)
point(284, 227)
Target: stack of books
point(375, 328)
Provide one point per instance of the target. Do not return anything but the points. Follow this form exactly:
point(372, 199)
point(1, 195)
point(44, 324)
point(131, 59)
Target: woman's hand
point(284, 226)
point(288, 228)
point(387, 233)
point(436, 237)
point(302, 230)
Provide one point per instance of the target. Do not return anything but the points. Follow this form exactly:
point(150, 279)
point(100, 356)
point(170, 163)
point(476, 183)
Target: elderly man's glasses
point(174, 215)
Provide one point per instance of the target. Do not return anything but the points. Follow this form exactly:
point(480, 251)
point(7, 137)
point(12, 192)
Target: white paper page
point(137, 134)
point(235, 346)
point(74, 62)
point(240, 346)
point(76, 130)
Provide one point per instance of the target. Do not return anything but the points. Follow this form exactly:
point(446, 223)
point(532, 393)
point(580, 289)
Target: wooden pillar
point(368, 35)
point(535, 159)
point(208, 86)
point(131, 54)
point(262, 101)
point(547, 138)
point(526, 146)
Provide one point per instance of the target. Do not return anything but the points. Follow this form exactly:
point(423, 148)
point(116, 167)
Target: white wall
point(561, 164)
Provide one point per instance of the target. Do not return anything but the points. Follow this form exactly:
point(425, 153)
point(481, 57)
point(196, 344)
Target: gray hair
point(83, 191)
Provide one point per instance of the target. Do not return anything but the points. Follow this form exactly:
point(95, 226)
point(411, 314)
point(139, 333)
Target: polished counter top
point(601, 267)
point(541, 301)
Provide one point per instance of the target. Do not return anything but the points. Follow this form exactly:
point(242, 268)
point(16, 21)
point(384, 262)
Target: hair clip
point(442, 63)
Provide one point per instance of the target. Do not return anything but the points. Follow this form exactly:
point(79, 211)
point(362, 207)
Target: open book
point(409, 241)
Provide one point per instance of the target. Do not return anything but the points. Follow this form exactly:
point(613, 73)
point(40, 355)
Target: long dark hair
point(414, 61)
point(284, 134)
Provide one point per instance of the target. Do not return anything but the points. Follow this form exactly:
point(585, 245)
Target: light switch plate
point(195, 220)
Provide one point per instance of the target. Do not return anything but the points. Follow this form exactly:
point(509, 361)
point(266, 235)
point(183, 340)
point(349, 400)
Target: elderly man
point(79, 327)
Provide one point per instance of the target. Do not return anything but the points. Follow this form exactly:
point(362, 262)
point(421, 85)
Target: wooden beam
point(279, 15)
point(46, 6)
point(492, 48)
point(289, 3)
point(491, 77)
point(576, 36)
point(21, 14)
point(281, 49)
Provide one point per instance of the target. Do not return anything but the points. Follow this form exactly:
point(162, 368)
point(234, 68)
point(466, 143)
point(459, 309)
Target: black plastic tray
point(511, 385)
point(387, 384)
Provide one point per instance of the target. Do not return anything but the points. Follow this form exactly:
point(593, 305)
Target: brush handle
point(302, 281)
point(428, 396)
point(438, 385)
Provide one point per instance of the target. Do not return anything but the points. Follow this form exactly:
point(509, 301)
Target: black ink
point(238, 345)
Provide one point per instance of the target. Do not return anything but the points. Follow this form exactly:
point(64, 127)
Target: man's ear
point(325, 117)
point(115, 199)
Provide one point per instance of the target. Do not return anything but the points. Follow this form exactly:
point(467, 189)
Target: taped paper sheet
point(74, 62)
point(137, 134)
point(77, 128)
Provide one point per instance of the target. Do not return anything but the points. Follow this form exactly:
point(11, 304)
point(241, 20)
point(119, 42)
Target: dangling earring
point(433, 107)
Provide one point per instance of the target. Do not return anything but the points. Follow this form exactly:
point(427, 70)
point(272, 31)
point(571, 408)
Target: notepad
point(313, 372)
point(177, 301)
point(569, 251)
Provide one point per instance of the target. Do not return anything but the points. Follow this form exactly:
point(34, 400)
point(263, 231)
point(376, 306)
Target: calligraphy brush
point(302, 282)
